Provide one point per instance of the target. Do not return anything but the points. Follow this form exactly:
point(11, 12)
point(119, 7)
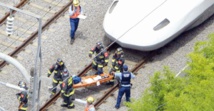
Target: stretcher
point(93, 80)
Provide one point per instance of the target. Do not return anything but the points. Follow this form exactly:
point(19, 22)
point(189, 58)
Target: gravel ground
point(75, 56)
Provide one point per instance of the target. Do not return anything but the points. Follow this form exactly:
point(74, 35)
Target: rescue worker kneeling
point(67, 93)
point(22, 97)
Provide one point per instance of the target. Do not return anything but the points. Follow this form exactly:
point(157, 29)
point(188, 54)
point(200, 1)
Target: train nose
point(121, 16)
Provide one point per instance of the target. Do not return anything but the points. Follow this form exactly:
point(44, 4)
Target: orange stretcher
point(93, 80)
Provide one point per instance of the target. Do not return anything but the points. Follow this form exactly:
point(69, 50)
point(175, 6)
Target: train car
point(147, 25)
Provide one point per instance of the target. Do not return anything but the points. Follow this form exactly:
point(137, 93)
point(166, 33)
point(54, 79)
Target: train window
point(113, 5)
point(162, 24)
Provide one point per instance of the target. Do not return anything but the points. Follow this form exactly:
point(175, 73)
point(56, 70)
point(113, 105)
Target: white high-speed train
point(150, 24)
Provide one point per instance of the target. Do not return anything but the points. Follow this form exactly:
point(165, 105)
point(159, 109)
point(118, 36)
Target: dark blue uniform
point(125, 86)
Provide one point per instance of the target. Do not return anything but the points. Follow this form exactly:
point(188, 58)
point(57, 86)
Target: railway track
point(107, 93)
point(26, 29)
point(19, 38)
point(134, 70)
point(89, 43)
point(57, 95)
point(7, 14)
point(29, 33)
point(16, 43)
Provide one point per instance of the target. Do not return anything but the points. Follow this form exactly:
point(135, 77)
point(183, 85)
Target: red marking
point(93, 48)
point(106, 54)
point(22, 95)
point(63, 84)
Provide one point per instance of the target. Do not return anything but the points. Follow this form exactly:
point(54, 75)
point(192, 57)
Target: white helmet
point(22, 84)
point(90, 100)
point(76, 3)
point(65, 73)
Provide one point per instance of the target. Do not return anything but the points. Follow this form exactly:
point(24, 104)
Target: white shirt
point(85, 102)
point(71, 12)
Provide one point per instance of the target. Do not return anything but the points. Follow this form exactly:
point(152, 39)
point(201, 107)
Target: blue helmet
point(125, 67)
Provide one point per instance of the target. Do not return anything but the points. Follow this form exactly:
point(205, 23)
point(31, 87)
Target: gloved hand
point(105, 63)
point(113, 64)
point(90, 55)
point(49, 75)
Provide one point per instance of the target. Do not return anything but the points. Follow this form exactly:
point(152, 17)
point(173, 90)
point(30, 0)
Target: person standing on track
point(57, 69)
point(101, 58)
point(125, 85)
point(67, 93)
point(22, 97)
point(118, 60)
point(74, 11)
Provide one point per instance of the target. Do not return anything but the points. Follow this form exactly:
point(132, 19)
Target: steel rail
point(22, 3)
point(33, 36)
point(80, 74)
point(137, 67)
point(107, 94)
point(56, 96)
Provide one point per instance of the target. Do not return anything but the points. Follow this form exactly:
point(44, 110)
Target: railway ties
point(106, 92)
point(7, 13)
point(57, 95)
point(137, 66)
point(26, 30)
point(46, 23)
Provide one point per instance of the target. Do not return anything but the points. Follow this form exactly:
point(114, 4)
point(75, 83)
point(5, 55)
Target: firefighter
point(67, 93)
point(118, 66)
point(57, 69)
point(117, 63)
point(117, 55)
point(22, 97)
point(101, 58)
point(65, 74)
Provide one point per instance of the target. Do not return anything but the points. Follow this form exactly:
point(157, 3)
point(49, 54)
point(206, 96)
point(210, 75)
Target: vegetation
point(194, 92)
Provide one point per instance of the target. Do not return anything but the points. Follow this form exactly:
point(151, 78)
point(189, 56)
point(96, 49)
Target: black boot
point(72, 41)
point(70, 107)
point(64, 105)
